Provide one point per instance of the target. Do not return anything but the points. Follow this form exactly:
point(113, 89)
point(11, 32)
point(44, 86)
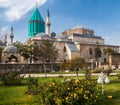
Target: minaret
point(5, 40)
point(11, 36)
point(48, 23)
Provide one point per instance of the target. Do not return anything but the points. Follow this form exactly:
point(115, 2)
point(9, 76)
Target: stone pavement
point(58, 75)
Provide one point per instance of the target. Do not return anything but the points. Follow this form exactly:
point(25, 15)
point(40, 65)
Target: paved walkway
point(58, 75)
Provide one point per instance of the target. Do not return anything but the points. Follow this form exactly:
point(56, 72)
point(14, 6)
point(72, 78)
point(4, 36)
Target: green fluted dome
point(36, 24)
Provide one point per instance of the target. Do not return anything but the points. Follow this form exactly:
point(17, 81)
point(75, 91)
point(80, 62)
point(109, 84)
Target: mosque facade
point(72, 43)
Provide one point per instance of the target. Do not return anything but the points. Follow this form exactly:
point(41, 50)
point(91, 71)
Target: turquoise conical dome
point(36, 24)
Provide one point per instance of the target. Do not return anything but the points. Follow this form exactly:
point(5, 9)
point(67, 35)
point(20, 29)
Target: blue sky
point(102, 16)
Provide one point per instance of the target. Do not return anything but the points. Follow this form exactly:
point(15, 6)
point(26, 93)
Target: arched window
point(90, 51)
point(64, 49)
point(105, 60)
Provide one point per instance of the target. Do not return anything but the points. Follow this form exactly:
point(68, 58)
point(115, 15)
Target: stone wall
point(87, 51)
point(61, 53)
point(114, 60)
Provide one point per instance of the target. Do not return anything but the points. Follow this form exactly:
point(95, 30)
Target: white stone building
point(72, 43)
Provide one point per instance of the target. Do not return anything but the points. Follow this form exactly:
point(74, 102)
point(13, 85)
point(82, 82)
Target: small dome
point(42, 35)
point(10, 49)
point(53, 34)
point(1, 43)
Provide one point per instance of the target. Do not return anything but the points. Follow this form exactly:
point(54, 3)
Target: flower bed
point(69, 92)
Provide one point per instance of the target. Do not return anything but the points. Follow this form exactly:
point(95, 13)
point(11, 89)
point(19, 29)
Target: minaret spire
point(48, 23)
point(48, 14)
point(11, 35)
point(5, 40)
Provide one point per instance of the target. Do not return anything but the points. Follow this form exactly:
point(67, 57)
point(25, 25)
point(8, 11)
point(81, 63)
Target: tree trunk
point(44, 65)
point(52, 66)
point(76, 72)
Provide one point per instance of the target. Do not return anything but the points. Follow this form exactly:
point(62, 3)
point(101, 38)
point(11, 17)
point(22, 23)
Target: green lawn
point(15, 95)
point(113, 88)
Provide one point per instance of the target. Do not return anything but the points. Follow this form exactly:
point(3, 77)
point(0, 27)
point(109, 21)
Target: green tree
point(47, 53)
point(62, 65)
point(98, 54)
point(53, 53)
point(26, 50)
point(65, 65)
point(77, 63)
point(108, 51)
point(73, 64)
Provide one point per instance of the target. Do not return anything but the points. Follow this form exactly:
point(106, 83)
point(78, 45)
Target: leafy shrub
point(33, 86)
point(97, 70)
point(10, 78)
point(118, 75)
point(88, 74)
point(108, 71)
point(70, 92)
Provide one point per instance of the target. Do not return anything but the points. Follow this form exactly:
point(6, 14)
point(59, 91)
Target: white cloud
point(4, 29)
point(16, 9)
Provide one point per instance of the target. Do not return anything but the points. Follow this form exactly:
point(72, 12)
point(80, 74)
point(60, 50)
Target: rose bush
point(69, 92)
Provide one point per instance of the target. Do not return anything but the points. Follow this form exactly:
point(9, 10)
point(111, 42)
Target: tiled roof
point(72, 47)
point(87, 36)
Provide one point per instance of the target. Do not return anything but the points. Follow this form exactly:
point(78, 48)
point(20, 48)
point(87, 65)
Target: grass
point(113, 88)
point(15, 95)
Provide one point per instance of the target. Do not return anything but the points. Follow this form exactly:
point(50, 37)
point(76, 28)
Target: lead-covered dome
point(10, 49)
point(42, 35)
point(1, 43)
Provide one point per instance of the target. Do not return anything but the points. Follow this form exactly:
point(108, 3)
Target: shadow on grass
point(22, 83)
point(22, 103)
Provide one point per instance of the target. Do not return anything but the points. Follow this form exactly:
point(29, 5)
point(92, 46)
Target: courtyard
point(16, 95)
